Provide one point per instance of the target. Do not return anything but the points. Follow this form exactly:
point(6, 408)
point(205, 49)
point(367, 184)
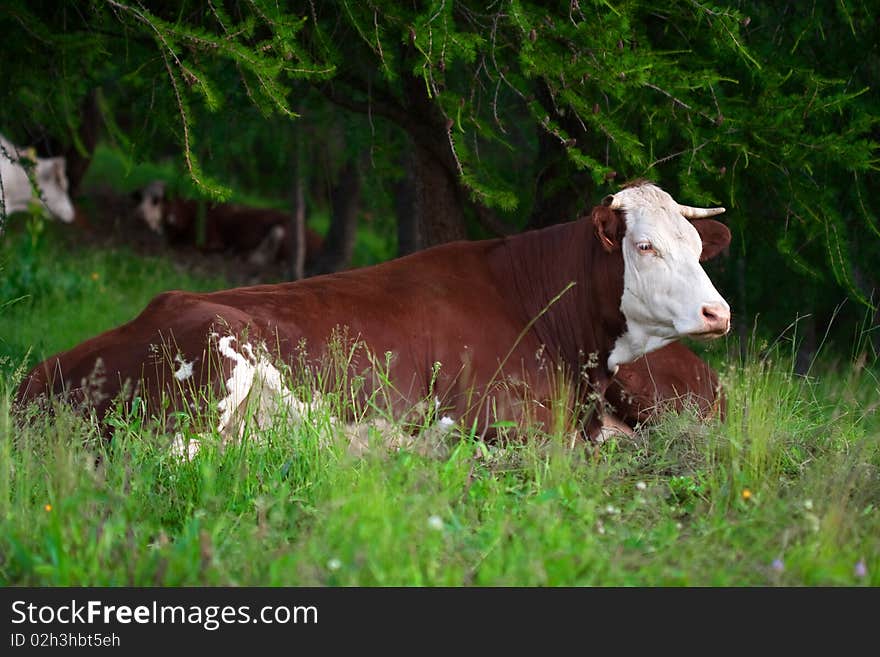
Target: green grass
point(785, 492)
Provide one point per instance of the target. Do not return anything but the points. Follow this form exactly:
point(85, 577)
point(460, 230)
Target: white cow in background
point(16, 191)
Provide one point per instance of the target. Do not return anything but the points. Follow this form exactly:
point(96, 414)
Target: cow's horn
point(698, 213)
point(611, 201)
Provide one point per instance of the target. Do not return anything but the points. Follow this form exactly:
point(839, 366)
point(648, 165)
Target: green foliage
point(194, 58)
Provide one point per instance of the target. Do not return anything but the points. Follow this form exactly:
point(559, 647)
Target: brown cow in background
point(263, 235)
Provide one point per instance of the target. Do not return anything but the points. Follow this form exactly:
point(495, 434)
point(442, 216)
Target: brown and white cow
point(509, 322)
point(16, 191)
point(262, 234)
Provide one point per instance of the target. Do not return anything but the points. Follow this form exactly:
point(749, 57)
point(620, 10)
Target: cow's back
point(423, 309)
point(172, 334)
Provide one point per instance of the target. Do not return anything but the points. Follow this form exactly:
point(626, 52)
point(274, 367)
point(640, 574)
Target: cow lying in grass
point(49, 175)
point(485, 332)
point(262, 235)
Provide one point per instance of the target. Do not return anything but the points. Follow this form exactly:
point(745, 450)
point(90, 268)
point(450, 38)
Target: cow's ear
point(715, 236)
point(609, 226)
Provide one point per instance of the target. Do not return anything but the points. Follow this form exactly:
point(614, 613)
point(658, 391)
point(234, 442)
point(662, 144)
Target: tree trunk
point(440, 211)
point(78, 163)
point(562, 191)
point(299, 232)
point(405, 204)
point(430, 202)
point(430, 206)
point(436, 209)
point(345, 205)
point(297, 226)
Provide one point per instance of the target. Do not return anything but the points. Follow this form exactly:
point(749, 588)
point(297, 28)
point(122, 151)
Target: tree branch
point(431, 138)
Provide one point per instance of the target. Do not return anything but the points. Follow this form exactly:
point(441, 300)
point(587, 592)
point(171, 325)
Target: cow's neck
point(579, 324)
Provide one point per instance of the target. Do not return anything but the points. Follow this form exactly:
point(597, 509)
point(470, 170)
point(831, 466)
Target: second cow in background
point(262, 235)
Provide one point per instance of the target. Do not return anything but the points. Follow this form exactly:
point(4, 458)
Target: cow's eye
point(645, 247)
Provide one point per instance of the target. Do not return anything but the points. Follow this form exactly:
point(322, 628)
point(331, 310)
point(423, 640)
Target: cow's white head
point(666, 293)
point(51, 174)
point(151, 205)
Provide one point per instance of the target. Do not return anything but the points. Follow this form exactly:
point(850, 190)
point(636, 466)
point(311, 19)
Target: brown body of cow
point(514, 323)
point(673, 378)
point(262, 234)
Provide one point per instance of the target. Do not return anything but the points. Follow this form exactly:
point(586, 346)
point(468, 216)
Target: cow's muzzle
point(716, 321)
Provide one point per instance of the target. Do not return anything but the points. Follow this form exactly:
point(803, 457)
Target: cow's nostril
point(716, 317)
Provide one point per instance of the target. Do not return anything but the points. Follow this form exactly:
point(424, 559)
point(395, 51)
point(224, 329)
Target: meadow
point(785, 491)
